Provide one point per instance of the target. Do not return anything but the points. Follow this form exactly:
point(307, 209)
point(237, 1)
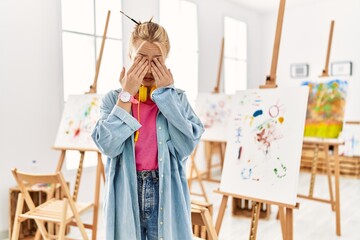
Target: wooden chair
point(61, 212)
point(200, 216)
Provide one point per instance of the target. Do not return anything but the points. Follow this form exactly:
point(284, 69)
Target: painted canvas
point(214, 111)
point(351, 137)
point(78, 120)
point(263, 153)
point(326, 105)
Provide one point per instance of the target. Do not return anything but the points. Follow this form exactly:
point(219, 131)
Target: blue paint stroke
point(258, 113)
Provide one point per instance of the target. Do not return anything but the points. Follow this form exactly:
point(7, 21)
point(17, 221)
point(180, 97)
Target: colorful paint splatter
point(79, 118)
point(351, 136)
point(265, 125)
point(325, 111)
point(263, 151)
point(214, 112)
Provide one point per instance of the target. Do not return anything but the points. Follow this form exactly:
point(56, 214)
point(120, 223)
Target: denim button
point(160, 128)
point(161, 223)
point(160, 159)
point(160, 142)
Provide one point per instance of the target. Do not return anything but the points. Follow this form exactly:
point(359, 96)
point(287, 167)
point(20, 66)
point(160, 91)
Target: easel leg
point(190, 180)
point(221, 213)
point(282, 221)
point(201, 183)
point(328, 171)
point(208, 155)
point(198, 177)
point(192, 157)
point(97, 196)
point(313, 170)
point(101, 166)
point(222, 154)
point(254, 220)
point(61, 161)
point(289, 224)
point(337, 189)
point(78, 176)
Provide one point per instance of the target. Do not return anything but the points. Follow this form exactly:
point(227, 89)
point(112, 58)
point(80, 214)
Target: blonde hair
point(152, 33)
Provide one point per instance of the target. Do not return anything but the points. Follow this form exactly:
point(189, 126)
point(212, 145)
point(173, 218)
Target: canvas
point(214, 110)
point(351, 137)
point(263, 153)
point(79, 117)
point(326, 105)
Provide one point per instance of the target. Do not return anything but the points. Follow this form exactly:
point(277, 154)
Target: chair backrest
point(23, 179)
point(201, 216)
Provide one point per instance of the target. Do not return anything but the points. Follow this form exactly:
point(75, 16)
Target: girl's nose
point(149, 69)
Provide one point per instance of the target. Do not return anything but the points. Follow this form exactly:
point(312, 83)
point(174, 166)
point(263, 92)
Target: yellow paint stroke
point(281, 119)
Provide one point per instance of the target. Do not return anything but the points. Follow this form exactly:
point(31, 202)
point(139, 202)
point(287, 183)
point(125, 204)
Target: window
point(179, 18)
point(235, 55)
point(83, 24)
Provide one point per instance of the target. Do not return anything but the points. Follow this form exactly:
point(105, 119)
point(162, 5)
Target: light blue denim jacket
point(178, 132)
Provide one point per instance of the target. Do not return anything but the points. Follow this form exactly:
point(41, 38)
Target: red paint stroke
point(77, 132)
point(239, 156)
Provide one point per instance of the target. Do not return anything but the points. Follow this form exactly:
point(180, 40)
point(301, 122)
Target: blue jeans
point(148, 196)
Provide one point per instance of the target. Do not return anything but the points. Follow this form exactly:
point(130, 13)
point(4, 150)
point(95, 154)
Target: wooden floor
point(313, 221)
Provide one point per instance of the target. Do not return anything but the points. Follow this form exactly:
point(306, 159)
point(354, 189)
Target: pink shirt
point(146, 152)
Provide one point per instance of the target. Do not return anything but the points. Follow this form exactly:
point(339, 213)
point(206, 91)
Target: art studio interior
point(180, 119)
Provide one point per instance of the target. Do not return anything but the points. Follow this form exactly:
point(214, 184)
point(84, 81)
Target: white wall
point(305, 39)
point(211, 15)
point(30, 91)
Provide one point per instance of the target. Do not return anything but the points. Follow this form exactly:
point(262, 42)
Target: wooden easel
point(209, 147)
point(286, 219)
point(322, 143)
point(325, 72)
point(100, 166)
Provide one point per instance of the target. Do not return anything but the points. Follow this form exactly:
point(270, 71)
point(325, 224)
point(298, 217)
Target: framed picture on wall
point(341, 68)
point(299, 70)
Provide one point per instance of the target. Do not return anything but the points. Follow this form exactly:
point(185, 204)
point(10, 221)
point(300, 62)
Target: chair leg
point(41, 227)
point(209, 225)
point(63, 220)
point(82, 229)
point(17, 223)
point(37, 235)
point(80, 226)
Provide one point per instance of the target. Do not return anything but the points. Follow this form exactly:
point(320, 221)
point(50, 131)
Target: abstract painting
point(265, 134)
point(214, 112)
point(79, 117)
point(326, 104)
point(351, 136)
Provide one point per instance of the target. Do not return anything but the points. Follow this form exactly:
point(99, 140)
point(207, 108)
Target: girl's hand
point(161, 73)
point(131, 80)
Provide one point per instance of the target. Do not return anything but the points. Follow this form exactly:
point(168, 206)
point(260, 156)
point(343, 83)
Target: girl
point(147, 135)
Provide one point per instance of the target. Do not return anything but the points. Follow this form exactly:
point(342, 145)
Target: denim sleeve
point(185, 128)
point(114, 127)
